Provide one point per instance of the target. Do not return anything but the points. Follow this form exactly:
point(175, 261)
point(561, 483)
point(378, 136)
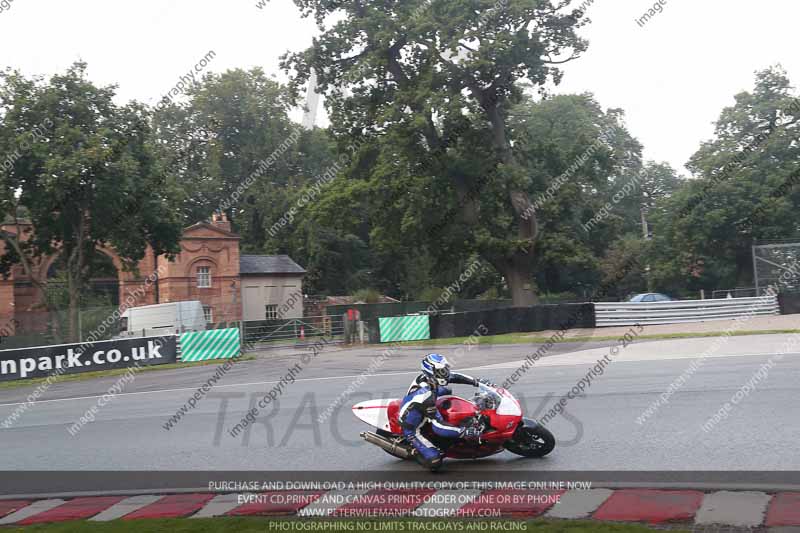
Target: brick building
point(209, 268)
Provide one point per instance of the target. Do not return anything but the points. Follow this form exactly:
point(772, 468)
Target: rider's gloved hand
point(472, 433)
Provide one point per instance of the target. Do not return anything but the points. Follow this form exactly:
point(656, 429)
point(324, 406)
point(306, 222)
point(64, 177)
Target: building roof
point(207, 225)
point(268, 264)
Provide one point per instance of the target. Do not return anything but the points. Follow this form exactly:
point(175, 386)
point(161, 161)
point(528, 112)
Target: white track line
point(216, 387)
point(550, 361)
point(583, 358)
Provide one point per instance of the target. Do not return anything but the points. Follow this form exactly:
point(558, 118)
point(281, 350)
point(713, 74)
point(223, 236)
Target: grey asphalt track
point(599, 431)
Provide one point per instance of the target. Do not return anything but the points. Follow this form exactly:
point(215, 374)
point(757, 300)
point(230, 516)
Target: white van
point(161, 319)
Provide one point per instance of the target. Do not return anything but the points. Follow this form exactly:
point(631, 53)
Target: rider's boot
point(429, 458)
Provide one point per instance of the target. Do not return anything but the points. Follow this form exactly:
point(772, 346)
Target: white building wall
point(284, 295)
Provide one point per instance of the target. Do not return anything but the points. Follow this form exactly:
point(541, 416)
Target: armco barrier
point(630, 313)
point(210, 344)
point(404, 328)
point(42, 361)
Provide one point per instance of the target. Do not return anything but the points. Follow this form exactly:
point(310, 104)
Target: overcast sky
point(672, 77)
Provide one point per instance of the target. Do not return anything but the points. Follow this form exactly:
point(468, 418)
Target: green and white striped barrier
point(210, 344)
point(404, 328)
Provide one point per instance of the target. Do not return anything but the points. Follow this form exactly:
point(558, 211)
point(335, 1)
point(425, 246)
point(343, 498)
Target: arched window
point(203, 276)
point(201, 272)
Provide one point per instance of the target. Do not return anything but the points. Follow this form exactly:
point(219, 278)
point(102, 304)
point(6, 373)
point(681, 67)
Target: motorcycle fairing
point(381, 414)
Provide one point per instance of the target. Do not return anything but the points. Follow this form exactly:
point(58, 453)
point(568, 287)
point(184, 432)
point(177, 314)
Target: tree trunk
point(75, 276)
point(74, 309)
point(28, 262)
point(518, 278)
point(25, 261)
point(519, 265)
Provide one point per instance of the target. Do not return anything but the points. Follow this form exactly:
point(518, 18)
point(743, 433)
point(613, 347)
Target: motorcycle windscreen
point(509, 406)
point(376, 412)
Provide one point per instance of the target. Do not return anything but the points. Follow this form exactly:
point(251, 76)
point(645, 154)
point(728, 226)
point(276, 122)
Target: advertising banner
point(41, 361)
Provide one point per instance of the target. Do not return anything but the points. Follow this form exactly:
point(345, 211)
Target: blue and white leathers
point(419, 406)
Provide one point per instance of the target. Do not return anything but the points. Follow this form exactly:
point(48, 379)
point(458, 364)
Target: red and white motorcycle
point(494, 411)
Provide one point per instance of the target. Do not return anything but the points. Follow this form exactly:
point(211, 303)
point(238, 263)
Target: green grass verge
point(527, 338)
point(264, 525)
point(111, 373)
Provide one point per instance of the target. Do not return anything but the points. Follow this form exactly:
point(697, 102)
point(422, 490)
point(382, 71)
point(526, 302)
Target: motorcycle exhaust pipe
point(388, 445)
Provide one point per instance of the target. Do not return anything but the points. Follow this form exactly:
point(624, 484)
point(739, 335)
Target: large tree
point(745, 191)
point(423, 89)
point(231, 146)
point(591, 154)
point(86, 179)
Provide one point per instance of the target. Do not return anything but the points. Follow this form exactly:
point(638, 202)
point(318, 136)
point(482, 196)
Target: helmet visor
point(441, 373)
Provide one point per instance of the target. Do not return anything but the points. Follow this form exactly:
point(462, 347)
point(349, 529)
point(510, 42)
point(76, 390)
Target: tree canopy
point(87, 179)
point(427, 87)
point(704, 233)
point(444, 147)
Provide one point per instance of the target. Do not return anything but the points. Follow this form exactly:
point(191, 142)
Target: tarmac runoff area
point(598, 430)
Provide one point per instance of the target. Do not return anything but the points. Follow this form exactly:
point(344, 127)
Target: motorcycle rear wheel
point(531, 441)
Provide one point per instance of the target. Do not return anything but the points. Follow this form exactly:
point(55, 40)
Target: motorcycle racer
point(418, 408)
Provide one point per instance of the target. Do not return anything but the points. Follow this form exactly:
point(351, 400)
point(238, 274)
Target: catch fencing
point(775, 264)
point(630, 313)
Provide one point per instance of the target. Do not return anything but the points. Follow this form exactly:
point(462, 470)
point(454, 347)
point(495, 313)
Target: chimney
point(220, 220)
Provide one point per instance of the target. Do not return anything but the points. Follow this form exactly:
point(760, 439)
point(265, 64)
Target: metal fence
point(738, 292)
point(292, 332)
point(630, 313)
point(776, 264)
point(375, 311)
point(42, 327)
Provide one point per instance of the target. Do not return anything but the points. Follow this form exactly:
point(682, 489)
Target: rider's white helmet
point(436, 368)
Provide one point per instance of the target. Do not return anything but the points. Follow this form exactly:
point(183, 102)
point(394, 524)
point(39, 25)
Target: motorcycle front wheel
point(531, 441)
